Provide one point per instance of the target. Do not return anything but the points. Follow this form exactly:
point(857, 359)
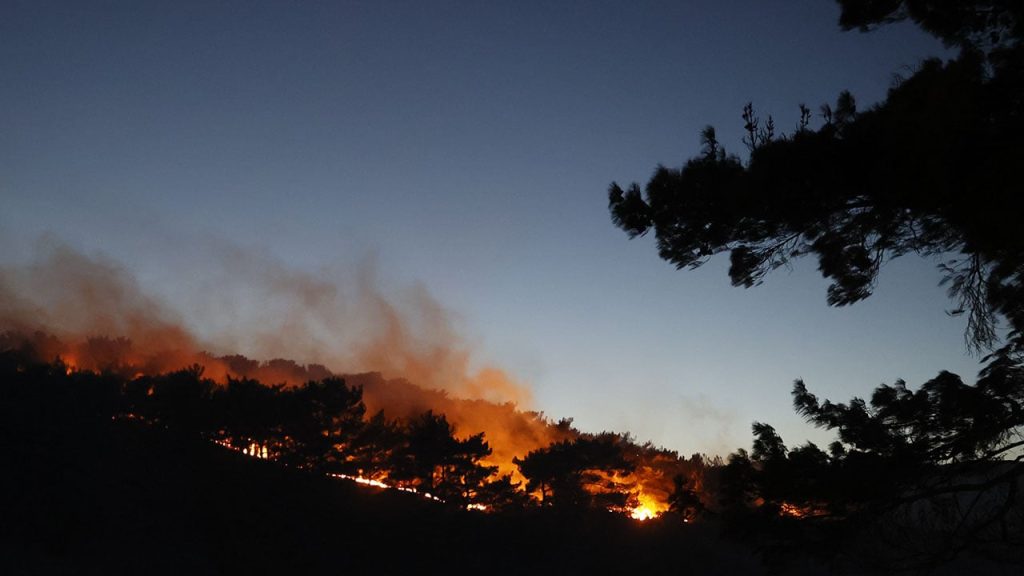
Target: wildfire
point(647, 509)
point(645, 487)
point(413, 362)
point(642, 513)
point(794, 511)
point(256, 451)
point(70, 364)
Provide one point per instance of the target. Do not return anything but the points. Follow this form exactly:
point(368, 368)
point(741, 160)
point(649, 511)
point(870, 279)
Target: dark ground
point(82, 495)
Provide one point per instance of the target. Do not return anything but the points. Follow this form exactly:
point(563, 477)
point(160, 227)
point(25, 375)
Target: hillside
point(81, 495)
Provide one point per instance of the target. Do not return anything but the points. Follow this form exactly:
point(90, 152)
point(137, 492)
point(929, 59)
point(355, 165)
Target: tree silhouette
point(322, 419)
point(374, 450)
point(181, 400)
point(931, 170)
point(955, 436)
point(252, 413)
point(434, 461)
point(582, 472)
point(684, 499)
point(501, 494)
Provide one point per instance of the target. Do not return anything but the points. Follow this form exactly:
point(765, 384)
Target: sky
point(465, 147)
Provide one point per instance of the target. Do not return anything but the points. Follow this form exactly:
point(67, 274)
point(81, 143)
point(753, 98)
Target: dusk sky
point(466, 147)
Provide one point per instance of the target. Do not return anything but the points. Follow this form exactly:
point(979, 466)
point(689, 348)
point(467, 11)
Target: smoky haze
point(267, 321)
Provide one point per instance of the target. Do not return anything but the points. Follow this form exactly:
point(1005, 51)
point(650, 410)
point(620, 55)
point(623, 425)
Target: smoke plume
point(262, 319)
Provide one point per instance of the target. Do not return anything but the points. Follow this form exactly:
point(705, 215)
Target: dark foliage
point(684, 499)
point(920, 477)
point(101, 477)
point(579, 473)
point(434, 461)
point(933, 170)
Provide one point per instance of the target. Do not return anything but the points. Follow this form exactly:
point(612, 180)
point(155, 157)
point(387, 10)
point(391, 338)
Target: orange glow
point(794, 511)
point(648, 489)
point(256, 451)
point(641, 513)
point(648, 508)
point(378, 484)
point(70, 365)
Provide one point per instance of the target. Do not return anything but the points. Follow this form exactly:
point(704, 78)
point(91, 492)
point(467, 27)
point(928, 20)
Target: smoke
point(92, 305)
point(250, 315)
point(254, 305)
point(712, 426)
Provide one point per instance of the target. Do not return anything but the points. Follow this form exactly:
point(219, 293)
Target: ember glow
point(795, 511)
point(378, 484)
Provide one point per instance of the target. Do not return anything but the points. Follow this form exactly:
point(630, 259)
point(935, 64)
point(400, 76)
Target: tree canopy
point(933, 170)
point(581, 472)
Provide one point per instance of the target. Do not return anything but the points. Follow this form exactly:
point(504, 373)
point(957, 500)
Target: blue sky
point(466, 146)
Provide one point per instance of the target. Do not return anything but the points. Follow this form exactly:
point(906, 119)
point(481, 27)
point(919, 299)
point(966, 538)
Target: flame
point(648, 508)
point(255, 450)
point(70, 363)
point(795, 511)
point(362, 480)
point(641, 513)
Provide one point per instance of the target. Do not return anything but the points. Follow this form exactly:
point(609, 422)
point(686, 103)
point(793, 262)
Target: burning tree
point(321, 425)
point(589, 471)
point(253, 414)
point(432, 460)
point(322, 419)
point(684, 499)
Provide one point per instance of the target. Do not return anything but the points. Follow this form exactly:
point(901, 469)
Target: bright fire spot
point(361, 480)
point(647, 508)
point(794, 511)
point(70, 364)
point(256, 451)
point(641, 513)
point(378, 484)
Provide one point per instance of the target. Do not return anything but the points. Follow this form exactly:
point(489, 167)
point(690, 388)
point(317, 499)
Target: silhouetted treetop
point(933, 170)
point(945, 420)
point(579, 472)
point(972, 24)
